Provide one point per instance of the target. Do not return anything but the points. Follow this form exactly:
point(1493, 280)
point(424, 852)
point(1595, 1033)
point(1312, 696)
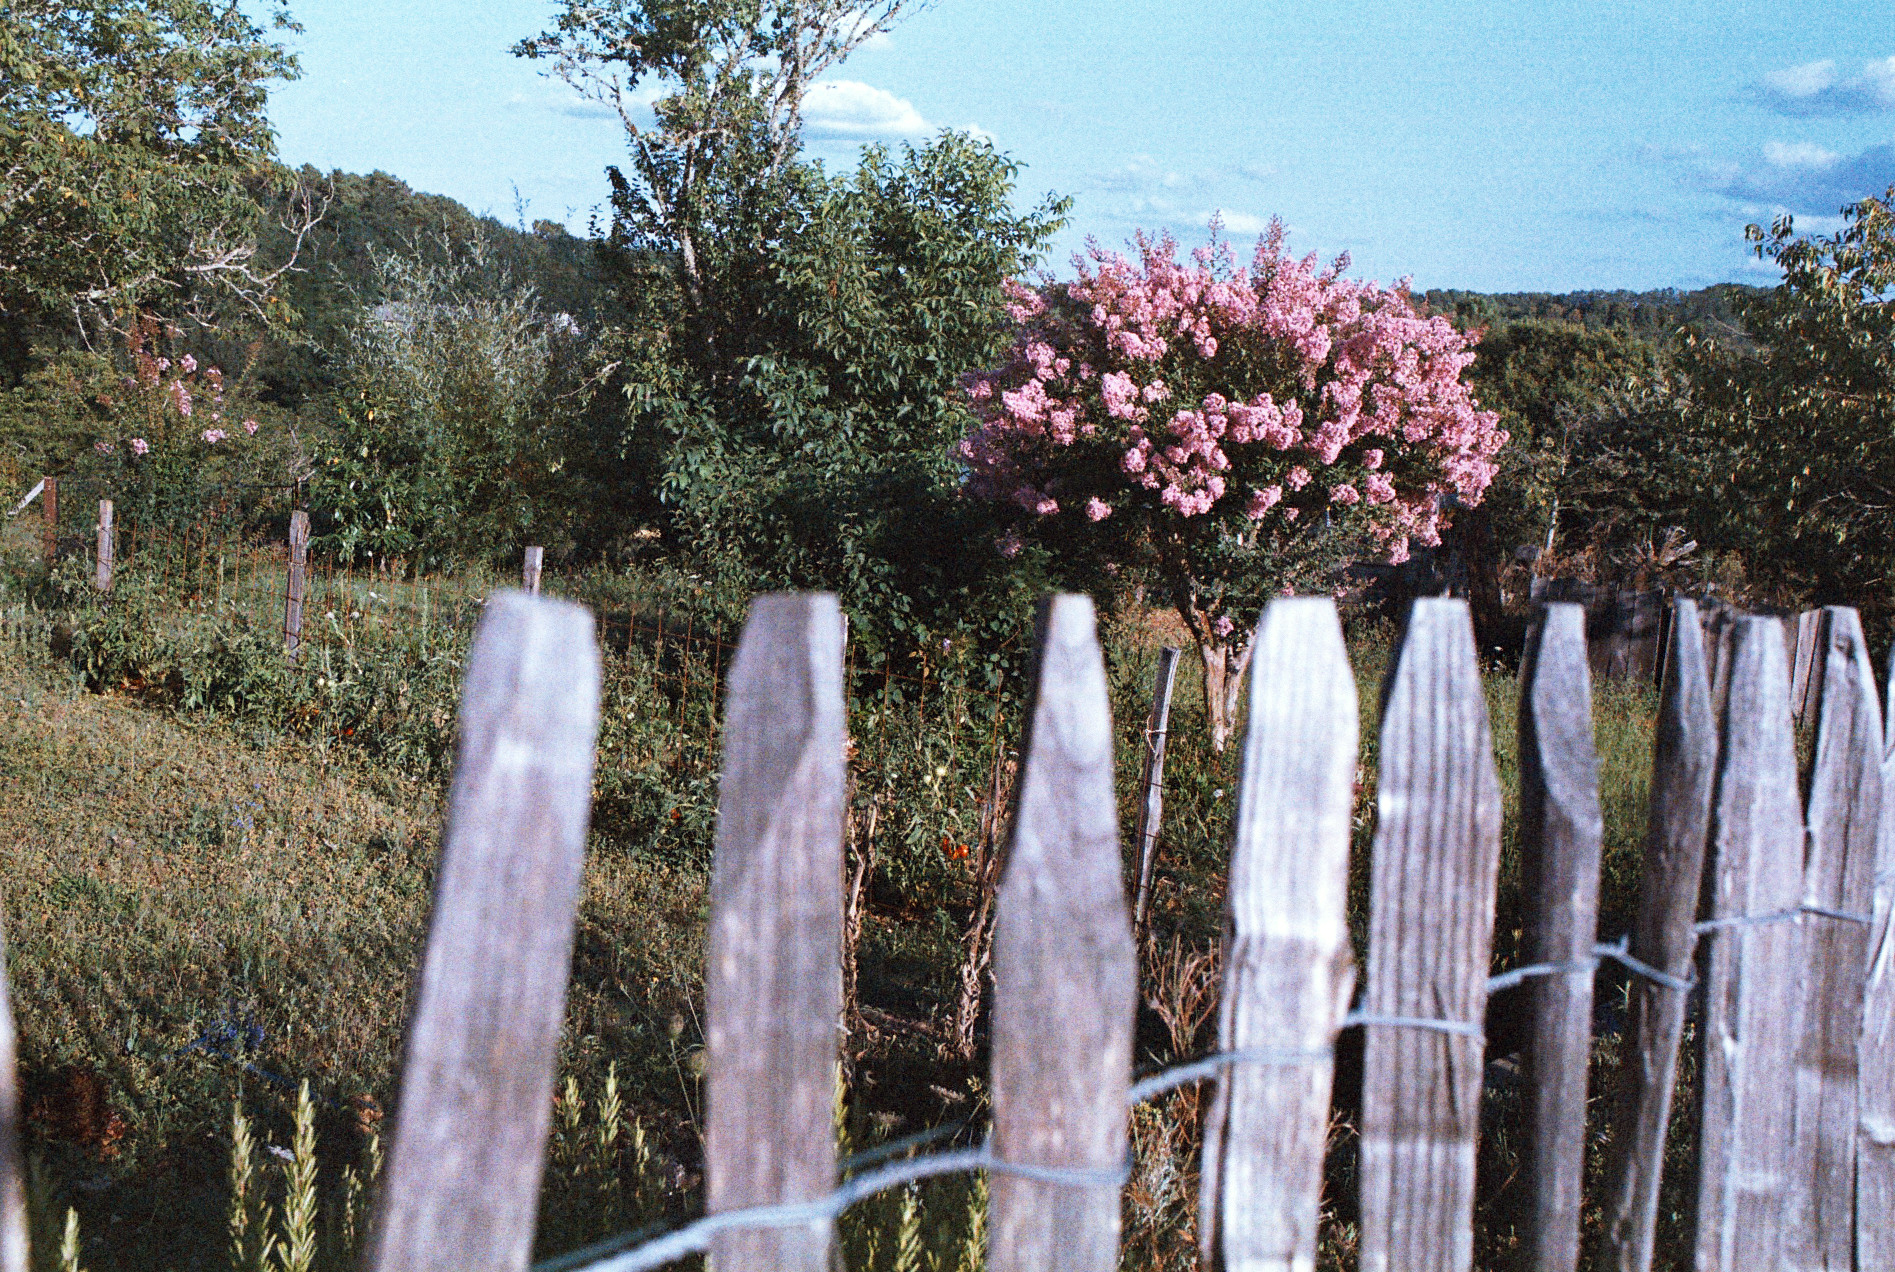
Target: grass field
point(214, 903)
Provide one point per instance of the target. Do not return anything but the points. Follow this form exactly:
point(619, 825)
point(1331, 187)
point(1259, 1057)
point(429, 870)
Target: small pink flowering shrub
point(1230, 432)
point(167, 446)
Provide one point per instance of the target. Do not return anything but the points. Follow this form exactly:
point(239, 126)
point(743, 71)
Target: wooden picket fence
point(1779, 916)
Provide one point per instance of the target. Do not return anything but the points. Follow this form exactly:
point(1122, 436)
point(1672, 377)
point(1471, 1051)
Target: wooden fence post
point(463, 1176)
point(1065, 972)
point(1875, 1101)
point(1288, 971)
point(13, 1235)
point(1746, 1070)
point(1845, 809)
point(1431, 917)
point(1561, 835)
point(298, 583)
point(530, 569)
point(49, 521)
point(104, 575)
point(1151, 808)
point(1684, 763)
point(773, 985)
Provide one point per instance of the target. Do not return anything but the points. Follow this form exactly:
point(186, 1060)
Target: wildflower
point(250, 427)
point(1223, 626)
point(140, 446)
point(1097, 509)
point(214, 435)
point(1009, 544)
point(188, 363)
point(102, 446)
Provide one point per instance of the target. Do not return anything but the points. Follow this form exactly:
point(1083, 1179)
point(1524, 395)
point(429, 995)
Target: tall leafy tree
point(724, 82)
point(1808, 491)
point(133, 139)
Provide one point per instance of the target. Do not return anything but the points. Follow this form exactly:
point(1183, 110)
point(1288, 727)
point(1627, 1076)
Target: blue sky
point(1494, 146)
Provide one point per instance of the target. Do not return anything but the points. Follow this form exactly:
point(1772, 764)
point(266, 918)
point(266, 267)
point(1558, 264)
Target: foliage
point(451, 436)
point(1234, 433)
point(1653, 315)
point(134, 135)
point(371, 218)
point(732, 74)
point(1808, 492)
point(171, 440)
point(823, 459)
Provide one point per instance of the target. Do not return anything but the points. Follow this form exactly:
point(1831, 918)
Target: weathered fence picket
point(13, 1235)
point(530, 566)
point(1065, 974)
point(103, 576)
point(1875, 1086)
point(297, 584)
point(49, 521)
point(1288, 970)
point(773, 978)
point(1806, 630)
point(1561, 838)
point(1151, 806)
point(463, 1174)
point(1755, 949)
point(1845, 800)
point(1431, 916)
point(1684, 763)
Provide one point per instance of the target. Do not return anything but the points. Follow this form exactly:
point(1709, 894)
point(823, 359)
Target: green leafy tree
point(727, 120)
point(452, 430)
point(133, 142)
point(827, 461)
point(1808, 492)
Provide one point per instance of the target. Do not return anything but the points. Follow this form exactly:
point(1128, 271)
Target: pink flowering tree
point(1228, 434)
point(172, 436)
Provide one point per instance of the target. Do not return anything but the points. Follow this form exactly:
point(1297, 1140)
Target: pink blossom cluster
point(1264, 394)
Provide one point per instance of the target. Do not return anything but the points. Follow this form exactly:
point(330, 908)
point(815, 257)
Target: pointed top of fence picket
point(462, 1185)
point(1431, 914)
point(773, 981)
point(1845, 809)
point(1065, 973)
point(1561, 833)
point(1288, 972)
point(1751, 978)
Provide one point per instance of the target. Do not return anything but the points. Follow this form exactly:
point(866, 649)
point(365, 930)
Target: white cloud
point(1798, 154)
point(1240, 222)
point(849, 110)
point(1806, 80)
point(1819, 88)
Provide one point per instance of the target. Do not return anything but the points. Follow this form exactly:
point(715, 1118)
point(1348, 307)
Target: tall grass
point(220, 866)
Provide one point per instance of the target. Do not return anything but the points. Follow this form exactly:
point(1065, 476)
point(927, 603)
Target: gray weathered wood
point(1431, 918)
point(463, 1174)
point(1065, 973)
point(1808, 631)
point(530, 569)
point(1875, 1053)
point(1151, 809)
point(1561, 834)
point(13, 1235)
point(1684, 764)
point(103, 577)
point(1751, 997)
point(49, 520)
point(1845, 802)
point(297, 584)
point(773, 970)
point(1288, 970)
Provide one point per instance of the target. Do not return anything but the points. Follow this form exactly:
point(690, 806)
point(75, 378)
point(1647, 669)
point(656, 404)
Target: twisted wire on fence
point(649, 1248)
